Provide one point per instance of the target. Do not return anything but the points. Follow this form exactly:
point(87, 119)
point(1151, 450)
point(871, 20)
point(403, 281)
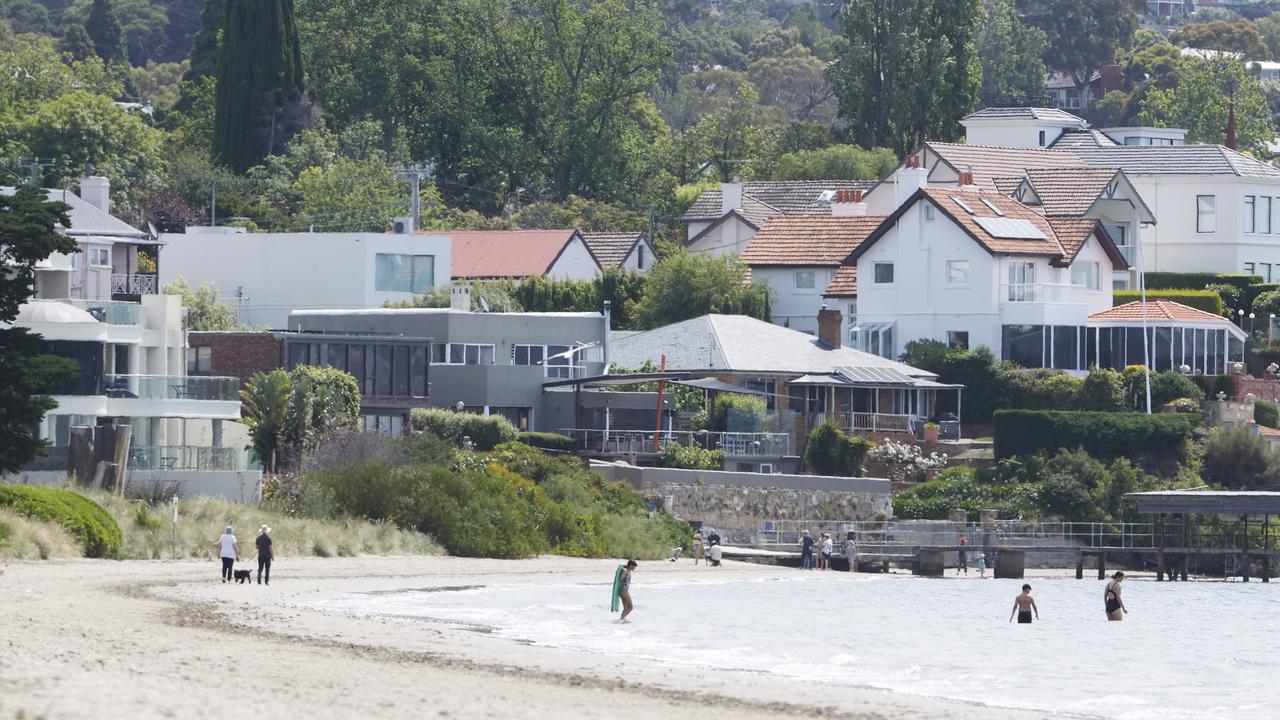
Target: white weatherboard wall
point(279, 272)
point(730, 237)
point(575, 263)
point(795, 307)
point(1015, 133)
point(641, 258)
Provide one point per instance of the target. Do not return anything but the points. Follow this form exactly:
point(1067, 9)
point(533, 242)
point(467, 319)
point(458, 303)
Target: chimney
point(909, 178)
point(848, 203)
point(966, 180)
point(1231, 125)
point(829, 322)
point(460, 298)
point(730, 196)
point(96, 191)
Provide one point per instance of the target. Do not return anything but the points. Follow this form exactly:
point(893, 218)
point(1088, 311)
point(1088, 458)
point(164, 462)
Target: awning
point(1254, 502)
point(871, 376)
point(717, 385)
point(611, 380)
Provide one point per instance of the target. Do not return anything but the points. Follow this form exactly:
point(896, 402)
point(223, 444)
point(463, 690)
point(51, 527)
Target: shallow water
point(1186, 650)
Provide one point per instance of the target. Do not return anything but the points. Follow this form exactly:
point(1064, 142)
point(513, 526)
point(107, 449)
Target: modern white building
point(132, 367)
point(267, 275)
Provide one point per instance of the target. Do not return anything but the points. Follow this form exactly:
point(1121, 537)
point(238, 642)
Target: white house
point(971, 267)
point(722, 221)
point(1019, 126)
point(132, 366)
point(266, 275)
point(799, 256)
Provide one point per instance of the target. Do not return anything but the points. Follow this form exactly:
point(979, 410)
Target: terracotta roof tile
point(504, 253)
point(844, 284)
point(808, 240)
point(611, 249)
point(790, 197)
point(1158, 310)
point(950, 199)
point(1069, 191)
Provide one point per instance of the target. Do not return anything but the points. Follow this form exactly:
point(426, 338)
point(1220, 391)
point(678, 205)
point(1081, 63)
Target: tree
point(26, 16)
point(207, 40)
point(1010, 53)
point(76, 43)
point(28, 234)
point(289, 412)
point(1240, 37)
point(104, 30)
point(829, 451)
point(1082, 35)
point(906, 70)
point(793, 84)
point(1236, 459)
point(204, 310)
point(1269, 30)
point(686, 286)
point(1199, 102)
point(260, 102)
point(838, 162)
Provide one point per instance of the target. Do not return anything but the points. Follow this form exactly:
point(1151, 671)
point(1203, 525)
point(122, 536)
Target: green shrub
point(1206, 300)
point(736, 412)
point(4, 532)
point(1166, 387)
point(1019, 432)
point(92, 526)
point(143, 518)
point(1236, 459)
point(1196, 281)
point(830, 451)
point(1102, 391)
point(1185, 405)
point(1232, 296)
point(691, 457)
point(1205, 383)
point(1266, 413)
point(548, 441)
point(487, 432)
point(1224, 384)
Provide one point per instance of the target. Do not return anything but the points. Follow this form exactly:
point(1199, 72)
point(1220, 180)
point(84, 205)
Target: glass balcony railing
point(186, 457)
point(112, 312)
point(172, 387)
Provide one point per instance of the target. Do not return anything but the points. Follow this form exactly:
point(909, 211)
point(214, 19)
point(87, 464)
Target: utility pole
point(33, 165)
point(415, 174)
point(213, 205)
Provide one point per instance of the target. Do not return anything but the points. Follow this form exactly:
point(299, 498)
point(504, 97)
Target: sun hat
point(264, 529)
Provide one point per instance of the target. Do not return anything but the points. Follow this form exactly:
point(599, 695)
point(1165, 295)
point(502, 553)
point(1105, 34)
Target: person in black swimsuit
point(1111, 596)
point(1023, 605)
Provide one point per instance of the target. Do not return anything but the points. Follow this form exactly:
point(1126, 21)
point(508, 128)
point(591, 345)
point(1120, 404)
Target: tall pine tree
point(259, 103)
point(104, 30)
point(204, 46)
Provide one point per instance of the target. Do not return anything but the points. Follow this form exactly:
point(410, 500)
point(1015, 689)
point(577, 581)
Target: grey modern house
point(494, 363)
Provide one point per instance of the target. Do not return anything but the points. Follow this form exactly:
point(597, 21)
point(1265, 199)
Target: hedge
point(1196, 281)
point(548, 441)
point(487, 432)
point(86, 520)
point(1206, 300)
point(1019, 432)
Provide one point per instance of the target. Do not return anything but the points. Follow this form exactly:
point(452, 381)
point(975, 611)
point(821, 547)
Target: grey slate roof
point(87, 219)
point(740, 344)
point(789, 197)
point(1072, 139)
point(1176, 160)
point(611, 248)
point(1023, 113)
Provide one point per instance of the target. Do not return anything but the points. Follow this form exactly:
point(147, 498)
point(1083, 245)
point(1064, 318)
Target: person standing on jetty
point(1023, 605)
point(962, 564)
point(827, 548)
point(806, 550)
point(982, 565)
point(697, 547)
point(1111, 597)
point(265, 553)
point(229, 551)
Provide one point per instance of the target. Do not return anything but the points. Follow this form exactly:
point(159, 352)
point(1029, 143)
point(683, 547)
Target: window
point(199, 360)
point(928, 212)
point(852, 317)
point(527, 354)
point(100, 257)
point(404, 273)
point(957, 272)
point(1041, 138)
point(883, 273)
point(1022, 279)
point(1120, 235)
point(1206, 220)
point(562, 361)
point(439, 353)
point(1250, 214)
point(958, 339)
point(1264, 270)
point(1264, 215)
point(469, 354)
point(640, 257)
point(804, 280)
point(768, 386)
point(1249, 269)
point(1085, 273)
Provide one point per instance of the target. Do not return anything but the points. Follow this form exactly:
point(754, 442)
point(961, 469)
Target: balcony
point(134, 284)
point(172, 387)
point(186, 457)
point(620, 442)
point(866, 421)
point(111, 312)
point(1053, 293)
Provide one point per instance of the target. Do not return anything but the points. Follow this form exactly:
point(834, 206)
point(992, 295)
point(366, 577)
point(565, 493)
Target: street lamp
point(1146, 344)
point(460, 406)
point(1270, 324)
point(1251, 317)
point(1240, 315)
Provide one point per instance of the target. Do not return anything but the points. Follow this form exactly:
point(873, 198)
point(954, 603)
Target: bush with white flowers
point(908, 460)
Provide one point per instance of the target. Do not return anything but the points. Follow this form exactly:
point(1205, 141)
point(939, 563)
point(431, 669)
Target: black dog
point(243, 576)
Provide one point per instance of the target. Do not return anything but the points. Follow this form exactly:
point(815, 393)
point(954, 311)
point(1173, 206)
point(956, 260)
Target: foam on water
point(1186, 650)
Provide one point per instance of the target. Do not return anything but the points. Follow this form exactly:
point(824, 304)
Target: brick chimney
point(848, 203)
point(829, 322)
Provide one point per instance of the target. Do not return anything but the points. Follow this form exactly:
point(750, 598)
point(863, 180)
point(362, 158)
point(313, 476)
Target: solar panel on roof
point(1010, 228)
point(962, 204)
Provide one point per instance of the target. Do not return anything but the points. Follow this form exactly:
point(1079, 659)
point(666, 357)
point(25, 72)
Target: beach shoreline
point(167, 639)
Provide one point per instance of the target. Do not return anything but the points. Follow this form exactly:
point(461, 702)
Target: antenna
point(484, 304)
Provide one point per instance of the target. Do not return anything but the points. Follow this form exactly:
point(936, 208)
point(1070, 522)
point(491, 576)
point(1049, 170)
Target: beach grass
point(22, 538)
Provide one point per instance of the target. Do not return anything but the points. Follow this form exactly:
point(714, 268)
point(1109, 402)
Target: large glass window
point(958, 339)
point(1085, 273)
point(561, 362)
point(418, 371)
point(1206, 218)
point(382, 361)
point(355, 365)
point(1066, 348)
point(470, 354)
point(1022, 279)
point(400, 371)
point(1024, 345)
point(338, 356)
point(1250, 214)
point(1264, 215)
point(527, 354)
point(404, 273)
point(199, 360)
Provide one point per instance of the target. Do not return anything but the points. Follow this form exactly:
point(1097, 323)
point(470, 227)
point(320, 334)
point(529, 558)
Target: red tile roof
point(1069, 191)
point(811, 240)
point(1074, 232)
point(505, 253)
point(1157, 311)
point(844, 284)
point(950, 199)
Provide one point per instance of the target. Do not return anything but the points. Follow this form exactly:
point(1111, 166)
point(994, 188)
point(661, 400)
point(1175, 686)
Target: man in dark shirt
point(265, 553)
point(806, 550)
point(713, 538)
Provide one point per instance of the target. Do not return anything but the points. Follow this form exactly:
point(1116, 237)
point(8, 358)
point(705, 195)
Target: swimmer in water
point(1111, 596)
point(1023, 605)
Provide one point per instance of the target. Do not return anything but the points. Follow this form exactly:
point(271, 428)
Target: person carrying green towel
point(622, 589)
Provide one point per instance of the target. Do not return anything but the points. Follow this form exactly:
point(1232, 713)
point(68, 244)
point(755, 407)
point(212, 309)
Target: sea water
point(1185, 650)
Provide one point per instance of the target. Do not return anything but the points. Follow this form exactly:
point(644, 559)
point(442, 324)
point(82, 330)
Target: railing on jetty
point(939, 533)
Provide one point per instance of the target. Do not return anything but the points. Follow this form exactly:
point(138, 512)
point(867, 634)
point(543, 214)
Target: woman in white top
point(229, 549)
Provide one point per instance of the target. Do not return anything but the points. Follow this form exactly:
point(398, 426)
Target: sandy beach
point(103, 639)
